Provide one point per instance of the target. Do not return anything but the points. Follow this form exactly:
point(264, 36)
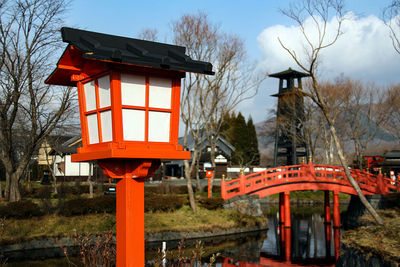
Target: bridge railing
point(374, 184)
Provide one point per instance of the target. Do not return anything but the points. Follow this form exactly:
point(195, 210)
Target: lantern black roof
point(105, 47)
point(289, 73)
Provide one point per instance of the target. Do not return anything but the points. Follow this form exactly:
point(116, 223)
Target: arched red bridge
point(286, 179)
point(306, 177)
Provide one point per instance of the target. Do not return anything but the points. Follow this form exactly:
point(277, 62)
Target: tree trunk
point(214, 165)
point(55, 184)
point(188, 171)
point(13, 194)
point(198, 176)
point(1, 192)
point(353, 182)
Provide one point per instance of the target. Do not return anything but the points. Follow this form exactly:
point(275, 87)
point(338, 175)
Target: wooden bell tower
point(290, 141)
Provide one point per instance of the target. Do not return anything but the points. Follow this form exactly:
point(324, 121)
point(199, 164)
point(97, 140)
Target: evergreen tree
point(253, 155)
point(239, 140)
point(243, 137)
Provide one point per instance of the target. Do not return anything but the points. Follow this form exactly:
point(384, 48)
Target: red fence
point(306, 177)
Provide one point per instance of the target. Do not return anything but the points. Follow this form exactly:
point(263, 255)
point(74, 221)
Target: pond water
point(308, 245)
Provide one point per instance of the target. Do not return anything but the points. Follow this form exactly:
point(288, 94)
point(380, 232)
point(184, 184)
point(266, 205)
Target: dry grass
point(185, 220)
point(55, 226)
point(383, 241)
point(180, 220)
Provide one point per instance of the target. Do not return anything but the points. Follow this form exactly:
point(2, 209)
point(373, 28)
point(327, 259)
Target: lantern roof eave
point(127, 51)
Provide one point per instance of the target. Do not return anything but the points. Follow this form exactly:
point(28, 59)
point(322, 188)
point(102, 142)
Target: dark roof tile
point(119, 49)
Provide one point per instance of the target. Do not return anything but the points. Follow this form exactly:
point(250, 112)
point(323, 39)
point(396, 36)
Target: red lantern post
point(129, 99)
point(209, 175)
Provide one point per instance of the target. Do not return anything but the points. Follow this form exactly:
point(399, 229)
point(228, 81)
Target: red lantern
point(129, 99)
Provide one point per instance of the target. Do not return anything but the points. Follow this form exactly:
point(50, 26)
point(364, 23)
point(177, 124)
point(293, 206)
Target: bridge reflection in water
point(306, 246)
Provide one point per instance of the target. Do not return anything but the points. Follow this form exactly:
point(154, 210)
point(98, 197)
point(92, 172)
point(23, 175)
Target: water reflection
point(306, 245)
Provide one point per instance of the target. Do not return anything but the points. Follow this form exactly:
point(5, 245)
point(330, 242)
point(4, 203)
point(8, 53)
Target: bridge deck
point(306, 177)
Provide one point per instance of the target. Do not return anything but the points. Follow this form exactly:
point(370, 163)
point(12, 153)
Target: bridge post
point(287, 226)
point(242, 183)
point(336, 223)
point(223, 188)
point(282, 220)
point(327, 221)
point(381, 184)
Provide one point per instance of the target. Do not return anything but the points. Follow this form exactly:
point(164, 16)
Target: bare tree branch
point(29, 109)
point(320, 13)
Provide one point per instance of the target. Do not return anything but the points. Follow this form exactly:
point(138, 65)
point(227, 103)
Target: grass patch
point(382, 241)
point(55, 226)
point(184, 219)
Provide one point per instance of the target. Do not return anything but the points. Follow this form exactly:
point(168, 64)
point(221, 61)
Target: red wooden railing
point(306, 177)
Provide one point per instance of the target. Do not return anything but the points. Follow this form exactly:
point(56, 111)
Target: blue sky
point(257, 22)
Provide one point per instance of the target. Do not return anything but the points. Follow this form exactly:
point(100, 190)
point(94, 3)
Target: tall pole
point(130, 222)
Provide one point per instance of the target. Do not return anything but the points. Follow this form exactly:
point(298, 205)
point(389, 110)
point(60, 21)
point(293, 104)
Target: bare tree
point(392, 104)
point(335, 95)
point(362, 115)
point(50, 163)
point(29, 109)
point(214, 96)
point(319, 12)
point(391, 16)
point(199, 37)
point(148, 34)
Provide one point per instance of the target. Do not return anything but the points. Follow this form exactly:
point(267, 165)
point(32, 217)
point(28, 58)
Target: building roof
point(123, 50)
point(289, 73)
point(225, 147)
point(393, 154)
point(69, 146)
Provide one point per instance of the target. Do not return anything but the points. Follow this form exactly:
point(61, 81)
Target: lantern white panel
point(133, 124)
point(104, 91)
point(159, 124)
point(133, 90)
point(106, 126)
point(90, 96)
point(160, 92)
point(93, 128)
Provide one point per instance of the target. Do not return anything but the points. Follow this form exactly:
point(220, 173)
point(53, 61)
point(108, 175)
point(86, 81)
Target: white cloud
point(364, 51)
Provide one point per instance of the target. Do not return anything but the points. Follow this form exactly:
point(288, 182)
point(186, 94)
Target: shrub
point(24, 191)
point(43, 192)
point(156, 202)
point(393, 200)
point(65, 190)
point(83, 206)
point(211, 203)
point(151, 189)
point(82, 189)
point(216, 189)
point(180, 189)
point(20, 210)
